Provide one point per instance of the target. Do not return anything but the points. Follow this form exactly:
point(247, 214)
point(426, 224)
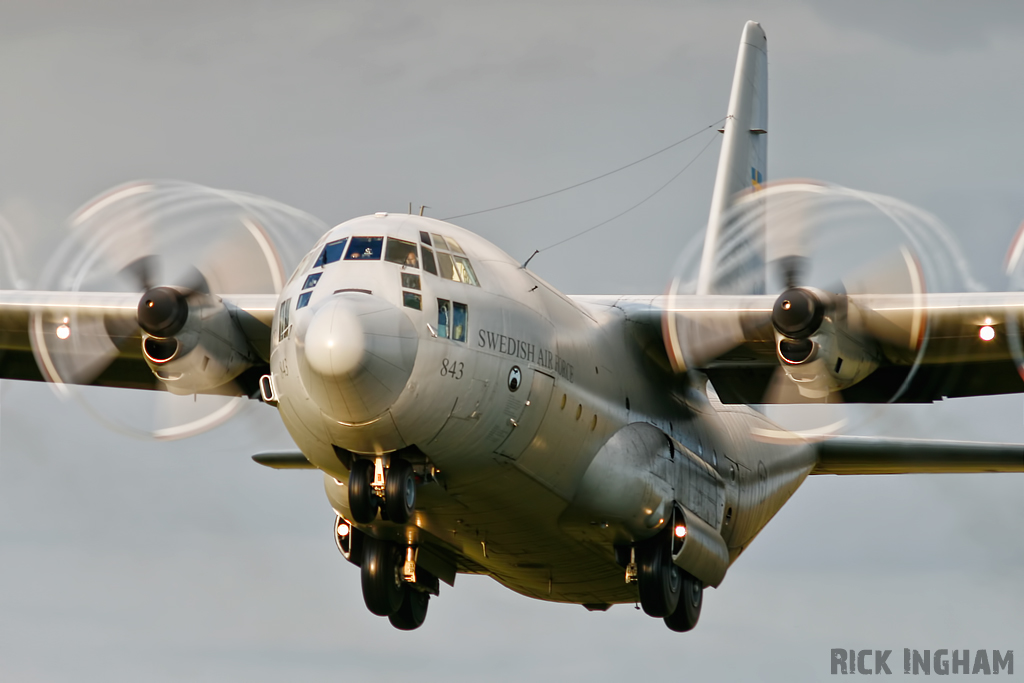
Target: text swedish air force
point(526, 351)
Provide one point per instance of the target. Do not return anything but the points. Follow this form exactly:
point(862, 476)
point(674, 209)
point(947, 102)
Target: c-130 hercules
point(470, 418)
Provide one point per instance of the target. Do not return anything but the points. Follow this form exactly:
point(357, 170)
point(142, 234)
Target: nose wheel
point(392, 490)
point(400, 491)
point(361, 498)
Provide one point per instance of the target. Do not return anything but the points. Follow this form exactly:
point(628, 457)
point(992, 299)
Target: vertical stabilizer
point(741, 165)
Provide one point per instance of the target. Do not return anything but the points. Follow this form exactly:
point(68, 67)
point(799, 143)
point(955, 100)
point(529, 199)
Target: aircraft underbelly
point(508, 525)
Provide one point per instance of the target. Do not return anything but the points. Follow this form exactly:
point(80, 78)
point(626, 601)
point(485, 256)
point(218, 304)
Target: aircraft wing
point(873, 455)
point(929, 347)
point(103, 333)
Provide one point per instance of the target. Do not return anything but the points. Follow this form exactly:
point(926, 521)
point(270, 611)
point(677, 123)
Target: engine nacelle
point(814, 343)
point(204, 349)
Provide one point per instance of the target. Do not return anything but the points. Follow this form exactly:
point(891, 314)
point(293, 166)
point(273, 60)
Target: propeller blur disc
point(858, 256)
point(1014, 268)
point(147, 234)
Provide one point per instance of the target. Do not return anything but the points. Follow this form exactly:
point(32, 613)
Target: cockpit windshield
point(365, 249)
point(403, 253)
point(331, 253)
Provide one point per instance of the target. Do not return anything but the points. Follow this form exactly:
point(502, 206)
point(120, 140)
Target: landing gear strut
point(396, 486)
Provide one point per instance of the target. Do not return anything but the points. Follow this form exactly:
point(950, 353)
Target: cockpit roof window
point(454, 246)
point(425, 238)
point(364, 249)
point(439, 242)
point(331, 253)
point(402, 253)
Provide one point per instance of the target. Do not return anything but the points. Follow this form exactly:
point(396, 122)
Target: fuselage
point(548, 430)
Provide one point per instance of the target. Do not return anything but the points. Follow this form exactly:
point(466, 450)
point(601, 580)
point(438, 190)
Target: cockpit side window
point(444, 317)
point(331, 253)
point(465, 270)
point(282, 319)
point(447, 267)
point(365, 249)
point(402, 253)
point(452, 263)
point(460, 321)
point(425, 238)
point(428, 261)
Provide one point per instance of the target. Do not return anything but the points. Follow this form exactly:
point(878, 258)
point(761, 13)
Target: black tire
point(361, 500)
point(413, 612)
point(400, 491)
point(383, 587)
point(687, 612)
point(660, 581)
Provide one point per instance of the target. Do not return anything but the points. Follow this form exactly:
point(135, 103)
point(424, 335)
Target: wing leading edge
point(108, 321)
point(873, 455)
point(951, 359)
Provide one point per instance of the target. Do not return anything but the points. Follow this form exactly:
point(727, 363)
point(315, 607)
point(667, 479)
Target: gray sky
point(122, 559)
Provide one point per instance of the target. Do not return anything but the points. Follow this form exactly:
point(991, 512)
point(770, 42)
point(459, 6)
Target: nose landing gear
point(400, 491)
point(393, 490)
point(361, 499)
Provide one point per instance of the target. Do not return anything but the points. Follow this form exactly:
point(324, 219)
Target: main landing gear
point(666, 591)
point(393, 586)
point(392, 489)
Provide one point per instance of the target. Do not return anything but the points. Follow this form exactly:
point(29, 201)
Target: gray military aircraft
point(469, 418)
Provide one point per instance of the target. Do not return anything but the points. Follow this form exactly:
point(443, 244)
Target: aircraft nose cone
point(335, 343)
point(358, 354)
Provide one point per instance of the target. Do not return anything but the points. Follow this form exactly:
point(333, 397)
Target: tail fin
point(741, 165)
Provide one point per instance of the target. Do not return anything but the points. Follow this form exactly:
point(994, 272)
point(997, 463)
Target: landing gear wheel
point(383, 587)
point(660, 581)
point(413, 611)
point(361, 500)
point(400, 491)
point(687, 612)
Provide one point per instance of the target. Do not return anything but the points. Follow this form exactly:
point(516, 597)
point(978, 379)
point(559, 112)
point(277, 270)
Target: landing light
point(63, 331)
point(987, 333)
point(680, 531)
point(343, 529)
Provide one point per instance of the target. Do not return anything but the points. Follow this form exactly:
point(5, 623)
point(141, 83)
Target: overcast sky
point(122, 559)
